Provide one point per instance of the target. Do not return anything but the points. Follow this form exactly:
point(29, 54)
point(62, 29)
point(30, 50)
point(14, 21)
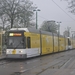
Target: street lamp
point(58, 35)
point(59, 27)
point(36, 16)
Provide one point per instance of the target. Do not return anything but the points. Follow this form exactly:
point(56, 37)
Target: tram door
point(69, 44)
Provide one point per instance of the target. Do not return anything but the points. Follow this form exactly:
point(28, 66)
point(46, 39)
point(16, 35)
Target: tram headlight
point(7, 51)
point(20, 51)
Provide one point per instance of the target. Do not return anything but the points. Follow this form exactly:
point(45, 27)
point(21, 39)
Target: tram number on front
point(14, 52)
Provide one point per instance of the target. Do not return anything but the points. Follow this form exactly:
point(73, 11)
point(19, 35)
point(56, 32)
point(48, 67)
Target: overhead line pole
point(58, 35)
point(36, 17)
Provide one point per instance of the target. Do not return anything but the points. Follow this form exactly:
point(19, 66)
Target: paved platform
point(55, 64)
point(60, 64)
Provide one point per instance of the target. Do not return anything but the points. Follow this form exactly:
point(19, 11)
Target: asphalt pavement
point(55, 64)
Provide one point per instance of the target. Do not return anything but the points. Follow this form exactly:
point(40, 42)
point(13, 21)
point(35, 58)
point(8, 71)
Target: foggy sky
point(50, 11)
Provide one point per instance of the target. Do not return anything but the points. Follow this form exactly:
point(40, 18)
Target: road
point(55, 64)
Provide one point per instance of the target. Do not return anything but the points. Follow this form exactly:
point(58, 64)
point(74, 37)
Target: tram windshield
point(16, 42)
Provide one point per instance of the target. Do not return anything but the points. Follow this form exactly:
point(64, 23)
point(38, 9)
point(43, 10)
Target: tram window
point(28, 42)
point(69, 42)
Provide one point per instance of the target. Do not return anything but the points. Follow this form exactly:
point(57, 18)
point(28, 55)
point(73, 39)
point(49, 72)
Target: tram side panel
point(73, 43)
point(61, 43)
point(66, 44)
point(47, 44)
point(55, 43)
point(34, 48)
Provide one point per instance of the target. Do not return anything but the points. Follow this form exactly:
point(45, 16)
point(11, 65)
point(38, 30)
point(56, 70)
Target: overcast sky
point(50, 11)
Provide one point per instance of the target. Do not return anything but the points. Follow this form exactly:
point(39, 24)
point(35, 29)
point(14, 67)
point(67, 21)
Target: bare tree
point(27, 12)
point(71, 5)
point(10, 8)
point(49, 26)
point(3, 20)
point(17, 11)
point(67, 32)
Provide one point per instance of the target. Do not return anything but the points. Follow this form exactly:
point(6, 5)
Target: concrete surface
point(56, 64)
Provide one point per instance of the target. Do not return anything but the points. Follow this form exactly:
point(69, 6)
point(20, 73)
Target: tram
point(30, 42)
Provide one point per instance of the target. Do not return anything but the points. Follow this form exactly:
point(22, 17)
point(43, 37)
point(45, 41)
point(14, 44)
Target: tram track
point(57, 65)
point(43, 69)
point(57, 62)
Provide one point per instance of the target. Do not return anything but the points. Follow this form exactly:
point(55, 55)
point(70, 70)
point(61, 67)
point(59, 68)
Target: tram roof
point(29, 29)
point(33, 30)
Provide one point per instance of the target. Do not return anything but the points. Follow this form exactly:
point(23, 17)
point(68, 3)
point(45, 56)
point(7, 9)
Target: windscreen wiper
point(17, 45)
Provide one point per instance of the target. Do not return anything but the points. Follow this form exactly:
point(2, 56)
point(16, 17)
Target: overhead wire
point(64, 10)
point(42, 17)
point(61, 9)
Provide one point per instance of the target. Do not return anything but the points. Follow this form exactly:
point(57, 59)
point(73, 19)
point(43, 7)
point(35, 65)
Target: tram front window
point(16, 42)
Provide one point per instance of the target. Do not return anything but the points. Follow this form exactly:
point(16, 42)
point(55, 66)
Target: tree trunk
point(3, 25)
point(11, 23)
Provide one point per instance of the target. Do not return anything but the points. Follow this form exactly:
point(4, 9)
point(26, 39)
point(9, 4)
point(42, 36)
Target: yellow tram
point(29, 42)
